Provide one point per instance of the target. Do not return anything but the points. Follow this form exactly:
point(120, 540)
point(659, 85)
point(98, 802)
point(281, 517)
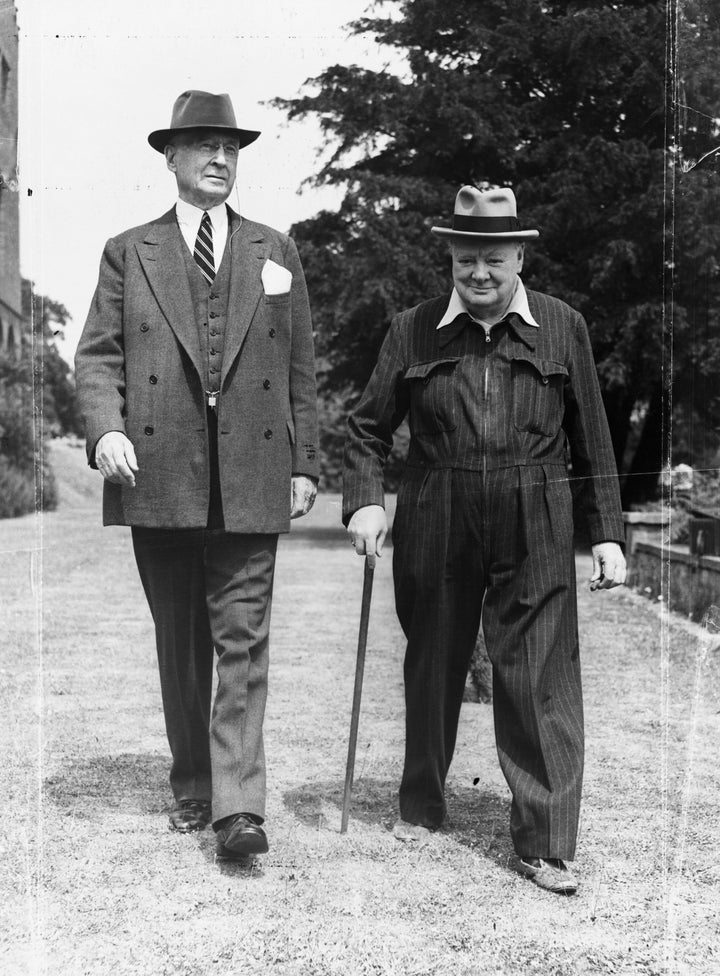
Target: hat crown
point(200, 109)
point(471, 202)
point(485, 215)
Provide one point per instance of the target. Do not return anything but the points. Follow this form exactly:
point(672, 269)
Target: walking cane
point(357, 694)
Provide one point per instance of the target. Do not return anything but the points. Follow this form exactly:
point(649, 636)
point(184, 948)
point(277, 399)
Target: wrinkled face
point(204, 162)
point(485, 275)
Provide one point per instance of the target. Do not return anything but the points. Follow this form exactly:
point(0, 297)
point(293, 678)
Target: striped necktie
point(203, 252)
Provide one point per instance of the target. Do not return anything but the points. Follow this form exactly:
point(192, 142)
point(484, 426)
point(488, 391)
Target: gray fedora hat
point(485, 215)
point(201, 110)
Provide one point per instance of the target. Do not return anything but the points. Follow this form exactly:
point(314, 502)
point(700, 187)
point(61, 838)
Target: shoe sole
point(187, 829)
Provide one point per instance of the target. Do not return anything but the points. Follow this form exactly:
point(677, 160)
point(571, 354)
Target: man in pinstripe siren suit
point(501, 392)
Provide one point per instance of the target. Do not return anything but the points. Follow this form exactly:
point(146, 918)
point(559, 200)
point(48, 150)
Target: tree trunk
point(641, 483)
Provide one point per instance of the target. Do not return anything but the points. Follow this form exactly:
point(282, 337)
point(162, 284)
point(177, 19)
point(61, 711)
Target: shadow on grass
point(137, 783)
point(476, 819)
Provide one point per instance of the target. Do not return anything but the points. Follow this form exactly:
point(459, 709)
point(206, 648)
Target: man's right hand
point(368, 528)
point(115, 458)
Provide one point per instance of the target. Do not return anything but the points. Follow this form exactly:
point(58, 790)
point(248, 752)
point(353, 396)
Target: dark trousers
point(499, 548)
point(209, 589)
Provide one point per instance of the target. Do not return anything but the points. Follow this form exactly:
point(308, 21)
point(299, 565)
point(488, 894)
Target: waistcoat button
point(266, 384)
point(271, 333)
point(153, 379)
point(268, 435)
point(144, 327)
point(149, 430)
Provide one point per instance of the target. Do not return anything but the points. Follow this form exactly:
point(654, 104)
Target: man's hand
point(368, 528)
point(115, 458)
point(304, 491)
point(608, 566)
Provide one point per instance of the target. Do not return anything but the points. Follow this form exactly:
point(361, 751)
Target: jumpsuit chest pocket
point(537, 391)
point(432, 399)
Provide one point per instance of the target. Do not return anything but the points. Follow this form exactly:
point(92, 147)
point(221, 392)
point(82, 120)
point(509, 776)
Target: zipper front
point(488, 340)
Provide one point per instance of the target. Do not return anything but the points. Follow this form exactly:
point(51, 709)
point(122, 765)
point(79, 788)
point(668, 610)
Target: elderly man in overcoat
point(500, 390)
point(195, 375)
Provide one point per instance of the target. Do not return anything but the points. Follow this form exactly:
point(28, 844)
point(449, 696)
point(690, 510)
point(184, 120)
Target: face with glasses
point(204, 162)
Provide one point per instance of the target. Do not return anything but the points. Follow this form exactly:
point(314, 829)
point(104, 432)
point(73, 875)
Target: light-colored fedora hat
point(485, 215)
point(201, 110)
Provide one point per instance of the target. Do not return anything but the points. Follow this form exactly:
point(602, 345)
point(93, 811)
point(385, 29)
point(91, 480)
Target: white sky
point(96, 76)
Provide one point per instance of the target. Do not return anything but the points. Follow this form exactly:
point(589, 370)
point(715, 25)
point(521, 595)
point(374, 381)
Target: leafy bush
point(27, 483)
point(703, 498)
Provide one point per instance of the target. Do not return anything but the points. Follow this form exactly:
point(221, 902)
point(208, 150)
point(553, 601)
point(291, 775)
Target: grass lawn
point(94, 883)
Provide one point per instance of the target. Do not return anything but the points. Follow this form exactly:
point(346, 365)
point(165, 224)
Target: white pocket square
point(276, 279)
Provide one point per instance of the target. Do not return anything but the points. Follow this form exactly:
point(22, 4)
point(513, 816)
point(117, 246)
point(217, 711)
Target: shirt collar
point(518, 305)
point(190, 216)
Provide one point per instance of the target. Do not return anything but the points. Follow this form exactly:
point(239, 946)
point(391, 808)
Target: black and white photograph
point(360, 488)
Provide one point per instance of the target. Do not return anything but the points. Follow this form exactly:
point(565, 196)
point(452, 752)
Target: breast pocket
point(432, 397)
point(537, 389)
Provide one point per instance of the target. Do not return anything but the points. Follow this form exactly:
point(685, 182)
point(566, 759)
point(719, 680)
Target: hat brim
point(513, 235)
point(161, 137)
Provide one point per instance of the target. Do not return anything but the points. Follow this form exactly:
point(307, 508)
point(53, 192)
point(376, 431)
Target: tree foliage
point(564, 101)
point(37, 399)
point(695, 224)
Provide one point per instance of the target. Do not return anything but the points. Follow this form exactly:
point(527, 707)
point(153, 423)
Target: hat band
point(486, 225)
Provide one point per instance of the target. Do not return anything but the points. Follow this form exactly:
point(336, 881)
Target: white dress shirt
point(189, 217)
point(518, 304)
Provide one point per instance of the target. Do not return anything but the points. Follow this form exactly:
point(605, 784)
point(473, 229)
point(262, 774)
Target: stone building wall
point(11, 321)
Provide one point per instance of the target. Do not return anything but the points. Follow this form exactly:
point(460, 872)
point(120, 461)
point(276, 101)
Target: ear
point(520, 256)
point(170, 151)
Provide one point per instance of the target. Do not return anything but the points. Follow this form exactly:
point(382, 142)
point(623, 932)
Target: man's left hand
point(608, 566)
point(304, 491)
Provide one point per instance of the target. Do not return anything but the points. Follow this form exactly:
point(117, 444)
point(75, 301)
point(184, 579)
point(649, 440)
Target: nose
point(480, 271)
point(219, 156)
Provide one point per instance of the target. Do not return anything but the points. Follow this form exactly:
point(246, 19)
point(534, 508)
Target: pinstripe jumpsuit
point(484, 527)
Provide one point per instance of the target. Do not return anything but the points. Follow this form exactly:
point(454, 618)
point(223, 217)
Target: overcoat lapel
point(247, 249)
point(163, 262)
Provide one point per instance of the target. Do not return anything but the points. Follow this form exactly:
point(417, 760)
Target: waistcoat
point(210, 305)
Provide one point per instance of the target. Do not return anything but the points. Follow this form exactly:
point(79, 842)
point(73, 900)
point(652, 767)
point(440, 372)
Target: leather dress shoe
point(549, 873)
point(240, 836)
point(189, 815)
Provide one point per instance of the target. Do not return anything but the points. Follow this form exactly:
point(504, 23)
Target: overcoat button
point(266, 384)
point(213, 295)
point(144, 327)
point(271, 333)
point(268, 435)
point(149, 430)
point(153, 379)
point(545, 380)
point(213, 315)
point(213, 370)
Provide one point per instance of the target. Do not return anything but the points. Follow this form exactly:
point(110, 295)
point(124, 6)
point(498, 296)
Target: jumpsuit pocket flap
point(545, 367)
point(423, 371)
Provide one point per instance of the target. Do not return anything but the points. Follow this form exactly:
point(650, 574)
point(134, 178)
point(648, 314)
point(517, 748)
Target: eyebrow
point(473, 254)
